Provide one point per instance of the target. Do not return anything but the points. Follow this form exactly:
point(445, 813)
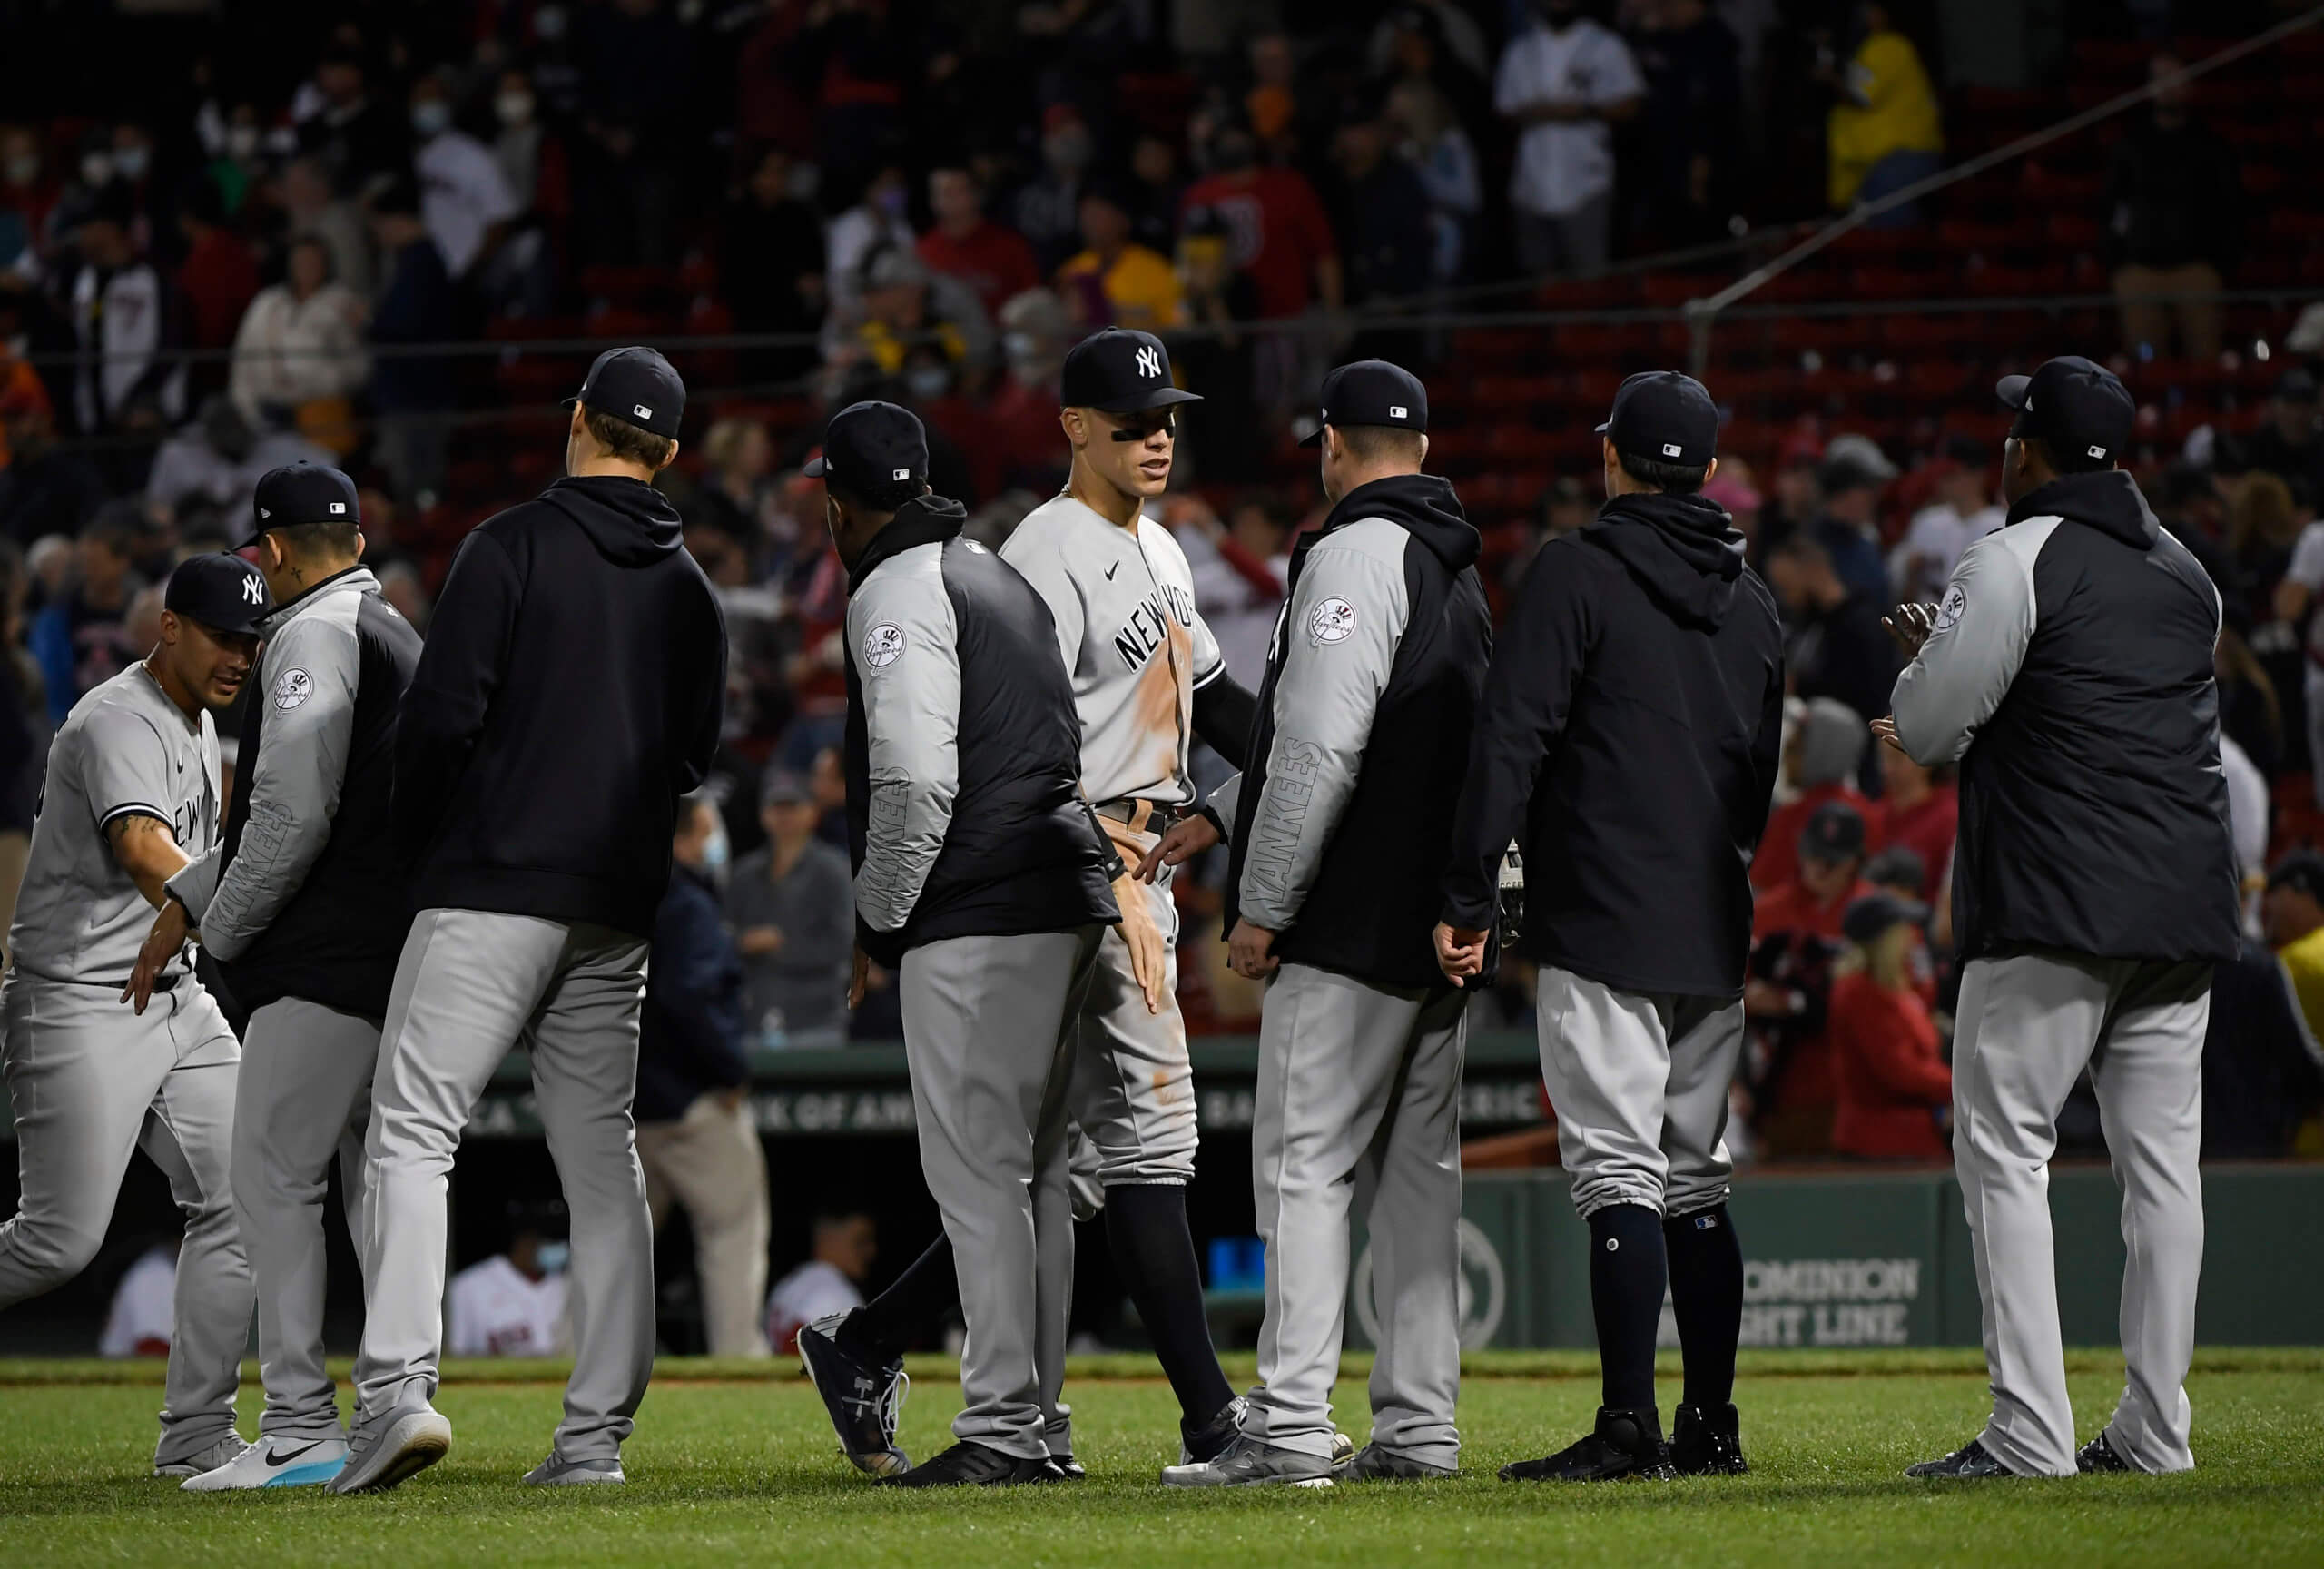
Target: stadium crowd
point(299, 250)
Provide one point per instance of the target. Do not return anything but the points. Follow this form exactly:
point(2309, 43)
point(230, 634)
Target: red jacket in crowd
point(1886, 1068)
point(1777, 861)
point(1926, 828)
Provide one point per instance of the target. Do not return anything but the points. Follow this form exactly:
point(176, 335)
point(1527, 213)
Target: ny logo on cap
point(339, 508)
point(641, 410)
point(253, 590)
point(900, 474)
point(1149, 361)
point(1670, 450)
point(1398, 411)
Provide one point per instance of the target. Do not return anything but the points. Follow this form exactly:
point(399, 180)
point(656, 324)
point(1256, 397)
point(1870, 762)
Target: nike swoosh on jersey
point(1111, 570)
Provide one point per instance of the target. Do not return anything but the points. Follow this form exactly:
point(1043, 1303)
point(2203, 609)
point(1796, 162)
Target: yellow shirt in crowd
point(1890, 108)
point(1141, 286)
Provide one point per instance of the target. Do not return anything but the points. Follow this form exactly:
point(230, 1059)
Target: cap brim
point(1601, 429)
point(2011, 390)
point(1161, 397)
point(1314, 437)
point(814, 468)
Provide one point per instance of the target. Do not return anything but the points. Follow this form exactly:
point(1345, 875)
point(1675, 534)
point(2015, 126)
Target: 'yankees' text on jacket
point(963, 751)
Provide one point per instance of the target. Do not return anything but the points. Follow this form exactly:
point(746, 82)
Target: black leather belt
point(1138, 816)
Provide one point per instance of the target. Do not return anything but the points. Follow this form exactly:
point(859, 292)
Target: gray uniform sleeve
point(1035, 553)
point(300, 771)
point(901, 635)
point(126, 766)
point(1983, 625)
point(1340, 637)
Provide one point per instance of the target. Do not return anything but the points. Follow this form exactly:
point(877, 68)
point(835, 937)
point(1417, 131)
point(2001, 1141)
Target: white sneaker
point(276, 1460)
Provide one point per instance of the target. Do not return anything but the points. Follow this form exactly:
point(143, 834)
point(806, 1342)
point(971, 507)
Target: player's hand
point(1250, 951)
point(1185, 840)
point(1149, 956)
point(1884, 729)
point(162, 942)
point(1910, 626)
point(1460, 953)
point(858, 979)
point(756, 941)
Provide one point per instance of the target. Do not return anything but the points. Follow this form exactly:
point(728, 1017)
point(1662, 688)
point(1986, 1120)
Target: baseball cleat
point(1624, 1445)
point(1067, 1468)
point(864, 1398)
point(2097, 1455)
point(1971, 1460)
point(559, 1472)
point(967, 1465)
point(201, 1461)
point(399, 1443)
point(1248, 1462)
point(1373, 1464)
point(1705, 1442)
point(276, 1460)
point(1210, 1440)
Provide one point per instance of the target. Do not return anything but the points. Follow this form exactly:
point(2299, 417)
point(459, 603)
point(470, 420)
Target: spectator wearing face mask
point(878, 220)
point(464, 200)
point(695, 1137)
point(1035, 329)
point(513, 1304)
point(1048, 208)
point(234, 142)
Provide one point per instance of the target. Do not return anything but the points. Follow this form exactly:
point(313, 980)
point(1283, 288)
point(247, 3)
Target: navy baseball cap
point(1371, 393)
point(1835, 832)
point(1120, 370)
point(1664, 417)
point(1868, 917)
point(223, 592)
point(2302, 871)
point(634, 384)
point(2080, 409)
point(301, 493)
point(876, 451)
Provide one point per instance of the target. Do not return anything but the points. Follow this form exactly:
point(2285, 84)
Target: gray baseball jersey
point(125, 750)
point(1124, 603)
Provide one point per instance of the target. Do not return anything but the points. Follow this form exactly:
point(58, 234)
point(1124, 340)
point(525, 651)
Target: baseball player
point(570, 692)
point(1146, 678)
point(1341, 825)
point(302, 904)
point(131, 795)
point(2068, 670)
point(1630, 729)
point(982, 879)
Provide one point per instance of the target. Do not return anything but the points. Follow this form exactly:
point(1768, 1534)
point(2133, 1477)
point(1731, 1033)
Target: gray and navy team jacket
point(1629, 732)
point(963, 750)
point(302, 896)
point(1341, 824)
point(2070, 673)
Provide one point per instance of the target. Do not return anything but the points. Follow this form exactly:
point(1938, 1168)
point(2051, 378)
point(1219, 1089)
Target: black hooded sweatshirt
point(1371, 876)
point(570, 692)
point(1628, 737)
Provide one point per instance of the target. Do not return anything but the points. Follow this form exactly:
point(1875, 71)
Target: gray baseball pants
point(2028, 1026)
point(92, 1082)
point(471, 985)
point(1640, 1084)
point(989, 1029)
point(1359, 1103)
point(302, 1096)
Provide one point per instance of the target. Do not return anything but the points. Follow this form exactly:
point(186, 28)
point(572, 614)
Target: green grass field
point(734, 1465)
